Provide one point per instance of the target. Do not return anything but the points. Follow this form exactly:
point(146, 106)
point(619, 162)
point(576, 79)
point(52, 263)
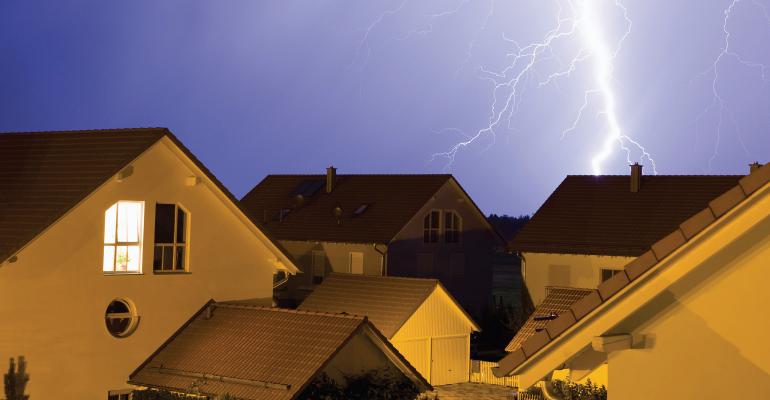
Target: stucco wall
point(471, 283)
point(706, 336)
point(584, 271)
point(53, 299)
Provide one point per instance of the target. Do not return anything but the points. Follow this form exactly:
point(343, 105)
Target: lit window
point(431, 227)
point(120, 318)
point(123, 237)
point(170, 238)
point(452, 227)
point(608, 273)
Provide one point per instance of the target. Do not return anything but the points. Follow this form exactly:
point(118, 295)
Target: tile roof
point(600, 214)
point(43, 175)
point(557, 301)
point(388, 302)
point(668, 243)
point(247, 351)
point(392, 200)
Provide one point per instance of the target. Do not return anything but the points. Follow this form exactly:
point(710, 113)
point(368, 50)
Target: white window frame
point(456, 229)
point(430, 229)
point(174, 245)
point(601, 273)
point(117, 243)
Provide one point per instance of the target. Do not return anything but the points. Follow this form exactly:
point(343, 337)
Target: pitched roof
point(391, 201)
point(557, 301)
point(45, 174)
point(249, 352)
point(387, 301)
point(600, 214)
point(660, 250)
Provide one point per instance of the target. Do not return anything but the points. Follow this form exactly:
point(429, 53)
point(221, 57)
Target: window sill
point(171, 272)
point(121, 273)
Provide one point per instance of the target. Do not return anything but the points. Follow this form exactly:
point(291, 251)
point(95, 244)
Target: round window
point(121, 318)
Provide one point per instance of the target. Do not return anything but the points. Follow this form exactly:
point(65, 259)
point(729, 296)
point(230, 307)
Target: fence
point(481, 372)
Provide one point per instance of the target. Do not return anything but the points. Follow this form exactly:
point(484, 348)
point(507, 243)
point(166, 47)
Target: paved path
point(473, 391)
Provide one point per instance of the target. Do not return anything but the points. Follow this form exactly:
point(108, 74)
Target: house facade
point(109, 241)
point(419, 317)
point(379, 225)
point(684, 319)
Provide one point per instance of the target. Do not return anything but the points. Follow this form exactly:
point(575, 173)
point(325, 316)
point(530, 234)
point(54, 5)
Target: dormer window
point(123, 224)
point(431, 227)
point(452, 227)
point(171, 230)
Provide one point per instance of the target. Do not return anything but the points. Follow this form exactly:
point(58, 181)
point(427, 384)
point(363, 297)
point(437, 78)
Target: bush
point(152, 394)
point(378, 384)
point(569, 390)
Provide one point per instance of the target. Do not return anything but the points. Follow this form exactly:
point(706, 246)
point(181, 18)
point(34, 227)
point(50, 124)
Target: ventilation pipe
point(636, 177)
point(331, 177)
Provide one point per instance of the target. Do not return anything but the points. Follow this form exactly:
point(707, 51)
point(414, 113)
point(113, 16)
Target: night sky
point(286, 86)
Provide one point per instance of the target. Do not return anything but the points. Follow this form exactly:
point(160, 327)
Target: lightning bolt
point(579, 20)
point(717, 100)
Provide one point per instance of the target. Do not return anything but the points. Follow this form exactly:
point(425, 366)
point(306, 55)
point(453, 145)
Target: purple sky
point(260, 87)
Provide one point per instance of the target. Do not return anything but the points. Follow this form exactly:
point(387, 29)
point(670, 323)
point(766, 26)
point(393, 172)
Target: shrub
point(569, 390)
point(379, 384)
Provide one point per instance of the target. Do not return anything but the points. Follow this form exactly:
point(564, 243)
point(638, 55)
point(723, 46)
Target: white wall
point(53, 299)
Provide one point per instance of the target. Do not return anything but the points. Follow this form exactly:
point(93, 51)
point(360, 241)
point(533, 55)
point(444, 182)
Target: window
point(319, 266)
point(356, 263)
point(452, 227)
point(123, 237)
point(170, 238)
point(120, 318)
point(119, 395)
point(431, 227)
point(608, 273)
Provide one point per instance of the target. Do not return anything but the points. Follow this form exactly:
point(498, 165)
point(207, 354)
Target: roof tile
point(535, 343)
point(560, 324)
point(756, 179)
point(512, 360)
point(613, 285)
point(640, 265)
point(697, 223)
point(720, 205)
point(668, 244)
point(586, 304)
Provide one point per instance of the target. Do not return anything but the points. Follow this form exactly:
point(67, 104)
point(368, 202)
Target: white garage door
point(417, 352)
point(450, 360)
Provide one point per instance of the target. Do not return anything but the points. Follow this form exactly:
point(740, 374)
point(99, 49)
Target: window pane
point(133, 258)
point(164, 223)
point(108, 265)
point(426, 222)
point(181, 220)
point(157, 258)
point(448, 220)
point(168, 257)
point(179, 258)
point(121, 260)
point(434, 219)
point(129, 221)
point(110, 218)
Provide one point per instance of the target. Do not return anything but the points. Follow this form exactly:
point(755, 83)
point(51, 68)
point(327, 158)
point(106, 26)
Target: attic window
point(431, 227)
point(123, 223)
point(452, 227)
point(282, 214)
point(120, 318)
point(360, 210)
point(171, 229)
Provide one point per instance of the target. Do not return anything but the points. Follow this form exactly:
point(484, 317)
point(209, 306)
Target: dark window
point(431, 227)
point(608, 273)
point(120, 318)
point(360, 210)
point(122, 395)
point(170, 238)
point(452, 227)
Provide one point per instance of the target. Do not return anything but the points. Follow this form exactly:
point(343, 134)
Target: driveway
point(475, 391)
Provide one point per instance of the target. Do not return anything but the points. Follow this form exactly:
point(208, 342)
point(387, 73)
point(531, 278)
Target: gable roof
point(252, 352)
point(391, 200)
point(600, 215)
point(557, 301)
point(43, 175)
point(637, 268)
point(387, 301)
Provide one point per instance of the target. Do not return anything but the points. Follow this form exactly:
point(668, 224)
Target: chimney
point(636, 177)
point(331, 177)
point(754, 166)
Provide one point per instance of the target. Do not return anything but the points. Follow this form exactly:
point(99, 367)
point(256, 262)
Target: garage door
point(450, 359)
point(417, 353)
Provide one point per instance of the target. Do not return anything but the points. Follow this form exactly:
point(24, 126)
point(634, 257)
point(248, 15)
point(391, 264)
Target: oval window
point(121, 318)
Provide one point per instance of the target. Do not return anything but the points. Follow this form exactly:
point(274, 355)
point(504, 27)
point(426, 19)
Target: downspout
point(383, 264)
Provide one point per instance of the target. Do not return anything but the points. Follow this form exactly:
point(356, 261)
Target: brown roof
point(600, 214)
point(387, 301)
point(247, 351)
point(557, 301)
point(666, 245)
point(45, 174)
point(391, 200)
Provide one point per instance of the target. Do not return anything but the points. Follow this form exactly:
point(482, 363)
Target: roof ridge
point(383, 277)
point(95, 131)
point(361, 174)
point(658, 175)
point(246, 306)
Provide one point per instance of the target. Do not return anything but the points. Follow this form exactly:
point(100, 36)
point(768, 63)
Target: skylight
point(360, 210)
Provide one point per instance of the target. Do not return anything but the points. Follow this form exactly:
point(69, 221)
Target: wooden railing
point(481, 372)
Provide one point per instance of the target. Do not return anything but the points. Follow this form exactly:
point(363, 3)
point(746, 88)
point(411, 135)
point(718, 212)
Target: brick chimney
point(636, 177)
point(754, 166)
point(331, 177)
